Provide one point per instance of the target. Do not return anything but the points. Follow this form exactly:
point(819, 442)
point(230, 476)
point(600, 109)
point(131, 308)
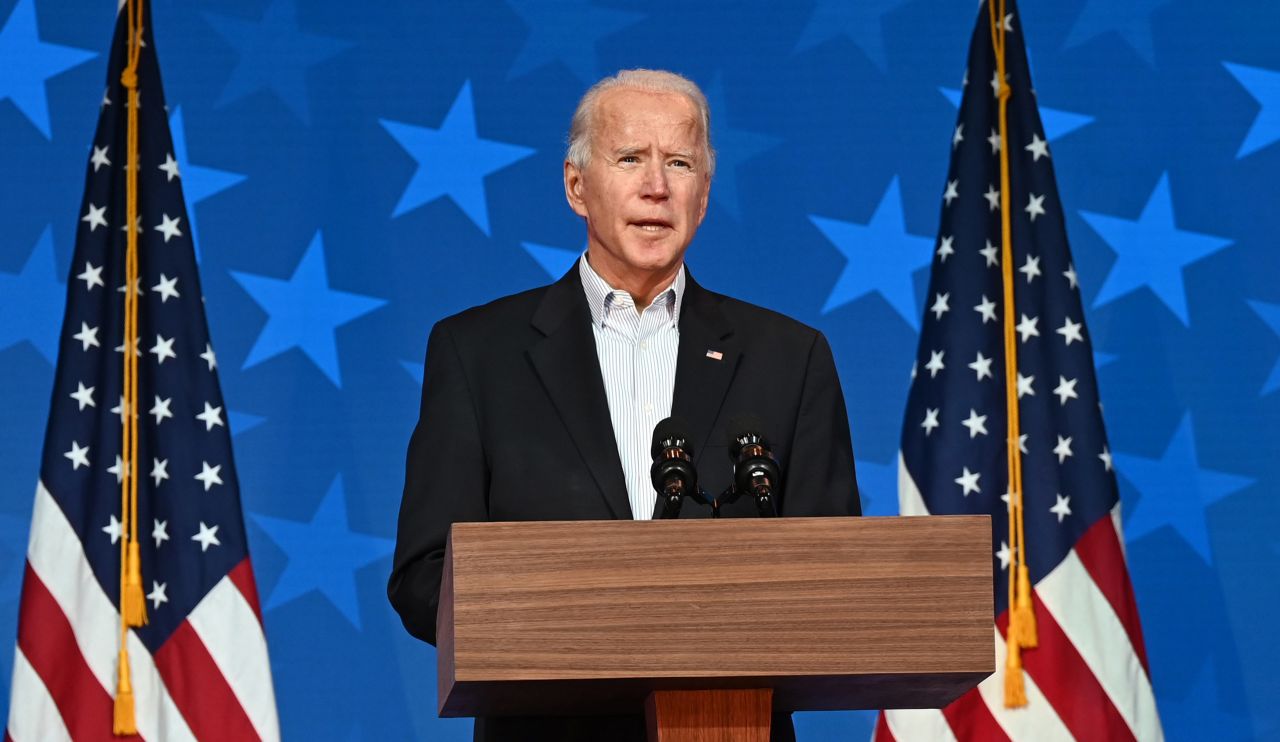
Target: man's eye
point(628, 158)
point(681, 163)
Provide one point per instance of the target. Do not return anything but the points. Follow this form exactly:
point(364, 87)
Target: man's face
point(645, 190)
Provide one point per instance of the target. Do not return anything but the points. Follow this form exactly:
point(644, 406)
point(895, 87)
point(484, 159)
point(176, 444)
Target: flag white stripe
point(910, 502)
point(919, 725)
point(1092, 626)
point(1036, 721)
point(58, 558)
point(230, 631)
point(32, 713)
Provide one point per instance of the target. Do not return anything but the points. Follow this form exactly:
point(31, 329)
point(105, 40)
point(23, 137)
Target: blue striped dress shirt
point(637, 352)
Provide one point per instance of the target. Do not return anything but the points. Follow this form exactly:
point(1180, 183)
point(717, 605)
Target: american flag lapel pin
point(715, 355)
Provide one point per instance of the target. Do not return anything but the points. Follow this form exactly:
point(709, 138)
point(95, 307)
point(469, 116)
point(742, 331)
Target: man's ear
point(573, 189)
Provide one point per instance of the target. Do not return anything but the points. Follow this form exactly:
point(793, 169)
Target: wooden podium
point(709, 625)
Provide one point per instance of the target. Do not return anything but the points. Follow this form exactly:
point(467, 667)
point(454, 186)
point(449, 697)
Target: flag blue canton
point(190, 529)
point(955, 430)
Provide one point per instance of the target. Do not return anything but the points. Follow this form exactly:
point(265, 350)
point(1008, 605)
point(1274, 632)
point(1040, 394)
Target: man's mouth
point(651, 225)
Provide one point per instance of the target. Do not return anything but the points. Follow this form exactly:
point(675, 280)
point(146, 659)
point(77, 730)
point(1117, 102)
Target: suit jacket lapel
point(567, 363)
point(705, 363)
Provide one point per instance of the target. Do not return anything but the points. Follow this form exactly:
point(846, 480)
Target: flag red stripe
point(46, 638)
point(198, 689)
point(1101, 554)
point(1067, 682)
point(882, 733)
point(971, 719)
point(242, 578)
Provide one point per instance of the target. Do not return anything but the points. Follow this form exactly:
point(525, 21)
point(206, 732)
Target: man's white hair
point(657, 81)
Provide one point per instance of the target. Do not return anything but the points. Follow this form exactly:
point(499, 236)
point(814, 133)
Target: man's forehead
point(627, 110)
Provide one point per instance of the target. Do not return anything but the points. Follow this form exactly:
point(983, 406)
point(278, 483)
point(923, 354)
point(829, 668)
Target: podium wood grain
point(591, 616)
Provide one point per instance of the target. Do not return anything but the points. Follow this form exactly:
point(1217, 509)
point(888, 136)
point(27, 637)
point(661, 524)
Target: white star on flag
point(1038, 147)
point(977, 424)
point(84, 395)
point(168, 288)
point(170, 167)
point(969, 481)
point(79, 456)
point(163, 349)
point(209, 475)
point(157, 596)
point(1065, 390)
point(1031, 269)
point(160, 531)
point(982, 367)
point(88, 336)
point(1063, 449)
point(99, 158)
point(935, 363)
point(1070, 331)
point(208, 536)
point(159, 470)
point(210, 417)
point(92, 276)
point(97, 217)
point(1027, 328)
point(1061, 508)
point(940, 307)
point(161, 409)
point(987, 309)
point(930, 420)
point(112, 529)
point(169, 227)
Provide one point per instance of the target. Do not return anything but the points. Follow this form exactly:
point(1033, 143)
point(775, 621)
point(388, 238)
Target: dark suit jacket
point(515, 426)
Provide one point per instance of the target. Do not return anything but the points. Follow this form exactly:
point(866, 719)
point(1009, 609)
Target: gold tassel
point(124, 720)
point(1015, 692)
point(1024, 615)
point(133, 603)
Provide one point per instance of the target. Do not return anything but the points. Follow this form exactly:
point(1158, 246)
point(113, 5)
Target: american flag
point(199, 667)
point(1088, 679)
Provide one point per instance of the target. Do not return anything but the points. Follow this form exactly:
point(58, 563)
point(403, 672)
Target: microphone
point(672, 472)
point(755, 471)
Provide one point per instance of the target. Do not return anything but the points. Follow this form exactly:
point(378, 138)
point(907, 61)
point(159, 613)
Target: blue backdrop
point(355, 171)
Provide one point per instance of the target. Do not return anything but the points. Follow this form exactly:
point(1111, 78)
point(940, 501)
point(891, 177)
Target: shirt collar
point(603, 298)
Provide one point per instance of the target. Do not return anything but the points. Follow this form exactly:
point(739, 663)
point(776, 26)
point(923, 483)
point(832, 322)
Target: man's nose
point(655, 184)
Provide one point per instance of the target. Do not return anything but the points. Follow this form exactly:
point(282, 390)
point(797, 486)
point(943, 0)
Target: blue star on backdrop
point(556, 261)
point(30, 62)
point(275, 54)
point(1151, 251)
point(860, 21)
point(1176, 490)
point(1057, 123)
point(1270, 314)
point(566, 31)
point(198, 183)
point(453, 160)
point(31, 301)
point(303, 312)
point(1131, 20)
point(1264, 86)
point(733, 147)
point(881, 257)
point(324, 554)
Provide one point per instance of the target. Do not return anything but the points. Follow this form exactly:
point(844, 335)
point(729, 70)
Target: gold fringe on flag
point(132, 603)
point(1022, 632)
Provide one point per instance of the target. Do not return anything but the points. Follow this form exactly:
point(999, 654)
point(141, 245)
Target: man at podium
point(542, 405)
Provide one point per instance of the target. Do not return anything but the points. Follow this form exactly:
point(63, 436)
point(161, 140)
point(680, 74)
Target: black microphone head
point(673, 431)
point(743, 429)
